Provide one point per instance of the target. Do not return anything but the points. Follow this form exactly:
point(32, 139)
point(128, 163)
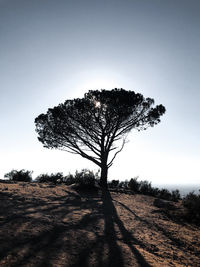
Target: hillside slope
point(46, 225)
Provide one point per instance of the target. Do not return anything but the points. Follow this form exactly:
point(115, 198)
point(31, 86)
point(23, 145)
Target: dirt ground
point(47, 225)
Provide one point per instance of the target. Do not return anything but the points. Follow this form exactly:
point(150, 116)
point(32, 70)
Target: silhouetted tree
point(92, 125)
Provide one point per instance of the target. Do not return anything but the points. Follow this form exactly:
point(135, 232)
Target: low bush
point(69, 179)
point(19, 176)
point(175, 195)
point(155, 191)
point(142, 187)
point(113, 184)
point(85, 179)
point(145, 188)
point(164, 194)
point(124, 184)
point(134, 185)
point(50, 178)
point(43, 178)
point(192, 204)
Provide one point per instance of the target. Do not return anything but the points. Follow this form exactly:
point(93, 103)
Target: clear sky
point(53, 50)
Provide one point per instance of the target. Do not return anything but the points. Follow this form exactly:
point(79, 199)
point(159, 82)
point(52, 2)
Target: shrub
point(134, 185)
point(50, 178)
point(22, 175)
point(165, 194)
point(113, 183)
point(57, 177)
point(124, 184)
point(43, 178)
point(192, 203)
point(155, 191)
point(145, 187)
point(69, 179)
point(85, 179)
point(175, 195)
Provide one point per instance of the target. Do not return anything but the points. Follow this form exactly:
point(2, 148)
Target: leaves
point(90, 126)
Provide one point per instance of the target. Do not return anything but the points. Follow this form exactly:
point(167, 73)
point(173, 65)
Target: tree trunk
point(104, 176)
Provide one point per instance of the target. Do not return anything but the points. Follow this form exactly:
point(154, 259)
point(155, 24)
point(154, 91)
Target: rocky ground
point(48, 225)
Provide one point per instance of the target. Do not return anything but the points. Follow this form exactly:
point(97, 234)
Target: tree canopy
point(92, 126)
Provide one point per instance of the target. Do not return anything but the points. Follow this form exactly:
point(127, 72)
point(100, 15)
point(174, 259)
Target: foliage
point(85, 179)
point(145, 188)
point(155, 191)
point(192, 203)
point(21, 175)
point(165, 194)
point(113, 184)
point(134, 185)
point(50, 178)
point(124, 184)
point(175, 195)
point(93, 126)
point(69, 179)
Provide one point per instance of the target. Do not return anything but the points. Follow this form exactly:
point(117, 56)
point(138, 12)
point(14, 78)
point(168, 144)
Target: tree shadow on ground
point(175, 241)
point(50, 240)
point(111, 219)
point(108, 246)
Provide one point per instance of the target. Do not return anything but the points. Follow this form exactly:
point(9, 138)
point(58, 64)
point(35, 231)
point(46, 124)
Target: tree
point(93, 125)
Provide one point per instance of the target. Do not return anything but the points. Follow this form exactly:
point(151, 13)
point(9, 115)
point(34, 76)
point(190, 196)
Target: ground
point(48, 225)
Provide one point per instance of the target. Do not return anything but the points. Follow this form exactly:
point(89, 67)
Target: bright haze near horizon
point(51, 51)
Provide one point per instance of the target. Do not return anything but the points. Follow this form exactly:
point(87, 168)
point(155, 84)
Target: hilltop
point(56, 225)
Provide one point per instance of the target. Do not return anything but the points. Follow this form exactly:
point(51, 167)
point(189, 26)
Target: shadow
point(80, 229)
point(175, 241)
point(111, 218)
point(112, 241)
point(47, 235)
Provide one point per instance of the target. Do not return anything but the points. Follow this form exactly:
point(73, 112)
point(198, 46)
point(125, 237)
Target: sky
point(53, 50)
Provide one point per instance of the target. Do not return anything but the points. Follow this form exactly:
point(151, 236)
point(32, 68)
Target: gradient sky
point(51, 51)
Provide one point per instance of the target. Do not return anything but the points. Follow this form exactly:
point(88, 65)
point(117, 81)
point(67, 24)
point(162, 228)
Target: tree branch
point(111, 162)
